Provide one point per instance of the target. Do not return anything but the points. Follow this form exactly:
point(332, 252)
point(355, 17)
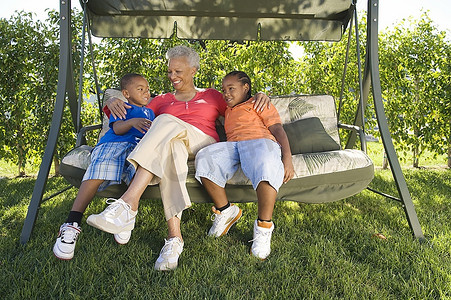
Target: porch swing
point(324, 171)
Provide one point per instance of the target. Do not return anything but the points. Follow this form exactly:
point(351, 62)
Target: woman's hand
point(261, 100)
point(117, 107)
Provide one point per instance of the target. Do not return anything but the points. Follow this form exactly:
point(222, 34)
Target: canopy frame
point(66, 89)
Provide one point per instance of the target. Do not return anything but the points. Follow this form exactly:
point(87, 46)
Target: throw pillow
point(308, 136)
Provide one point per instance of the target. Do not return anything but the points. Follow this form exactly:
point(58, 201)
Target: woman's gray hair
point(184, 51)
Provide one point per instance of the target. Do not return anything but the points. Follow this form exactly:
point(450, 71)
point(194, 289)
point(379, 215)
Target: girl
point(257, 142)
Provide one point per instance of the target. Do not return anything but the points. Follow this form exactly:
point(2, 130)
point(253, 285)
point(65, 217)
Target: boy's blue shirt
point(133, 135)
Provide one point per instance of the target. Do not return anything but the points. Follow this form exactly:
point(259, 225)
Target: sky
point(390, 11)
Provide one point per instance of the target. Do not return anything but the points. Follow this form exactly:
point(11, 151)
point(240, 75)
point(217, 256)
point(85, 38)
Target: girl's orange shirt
point(243, 123)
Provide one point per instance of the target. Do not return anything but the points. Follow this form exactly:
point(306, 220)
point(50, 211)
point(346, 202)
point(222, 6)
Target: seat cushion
point(74, 164)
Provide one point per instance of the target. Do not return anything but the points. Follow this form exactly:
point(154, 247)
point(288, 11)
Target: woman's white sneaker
point(222, 221)
point(116, 218)
point(65, 242)
point(123, 237)
point(261, 246)
point(169, 254)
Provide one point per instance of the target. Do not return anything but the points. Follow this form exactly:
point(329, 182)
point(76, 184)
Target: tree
point(27, 85)
point(269, 64)
point(414, 64)
point(118, 56)
point(29, 65)
point(29, 54)
point(444, 102)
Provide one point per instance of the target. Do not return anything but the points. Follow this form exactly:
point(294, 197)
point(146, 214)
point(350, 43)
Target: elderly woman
point(185, 123)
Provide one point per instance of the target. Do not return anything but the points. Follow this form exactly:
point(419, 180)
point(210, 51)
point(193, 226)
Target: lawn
point(322, 251)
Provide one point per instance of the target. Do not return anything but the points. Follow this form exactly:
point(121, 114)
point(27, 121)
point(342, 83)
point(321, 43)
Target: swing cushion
point(324, 175)
point(308, 136)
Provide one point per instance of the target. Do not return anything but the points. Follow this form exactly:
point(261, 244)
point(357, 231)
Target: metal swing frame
point(371, 79)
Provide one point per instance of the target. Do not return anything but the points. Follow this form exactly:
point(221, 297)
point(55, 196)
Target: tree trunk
point(415, 156)
point(416, 147)
point(449, 157)
point(56, 164)
point(385, 161)
point(416, 130)
point(449, 149)
point(21, 163)
point(21, 172)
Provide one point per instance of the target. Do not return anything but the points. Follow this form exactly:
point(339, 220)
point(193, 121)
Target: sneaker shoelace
point(217, 216)
point(69, 235)
point(261, 237)
point(113, 206)
point(168, 247)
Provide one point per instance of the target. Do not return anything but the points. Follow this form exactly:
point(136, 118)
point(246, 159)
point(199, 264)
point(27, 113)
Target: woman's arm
point(279, 133)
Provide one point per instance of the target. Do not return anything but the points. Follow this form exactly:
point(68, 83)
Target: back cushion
point(109, 93)
point(296, 107)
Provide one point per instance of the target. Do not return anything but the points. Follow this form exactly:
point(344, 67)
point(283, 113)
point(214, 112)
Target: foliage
point(269, 64)
point(415, 79)
point(415, 71)
point(322, 72)
point(27, 86)
point(120, 56)
point(148, 57)
point(414, 68)
point(29, 55)
point(38, 71)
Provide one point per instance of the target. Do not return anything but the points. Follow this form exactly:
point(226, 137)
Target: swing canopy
point(288, 20)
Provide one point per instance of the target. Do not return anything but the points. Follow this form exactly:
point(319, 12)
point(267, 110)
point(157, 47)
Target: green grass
point(427, 159)
point(322, 251)
point(8, 170)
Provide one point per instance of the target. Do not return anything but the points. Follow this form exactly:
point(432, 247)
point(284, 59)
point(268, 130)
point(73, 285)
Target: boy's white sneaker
point(169, 254)
point(261, 246)
point(65, 242)
point(116, 218)
point(222, 221)
point(123, 237)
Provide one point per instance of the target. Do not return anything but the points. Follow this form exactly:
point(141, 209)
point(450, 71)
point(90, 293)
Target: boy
point(108, 161)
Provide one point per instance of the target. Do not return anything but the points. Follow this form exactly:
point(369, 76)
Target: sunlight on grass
point(375, 151)
point(10, 170)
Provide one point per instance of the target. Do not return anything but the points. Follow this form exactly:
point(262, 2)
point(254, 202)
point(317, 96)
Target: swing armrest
point(82, 134)
point(358, 130)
